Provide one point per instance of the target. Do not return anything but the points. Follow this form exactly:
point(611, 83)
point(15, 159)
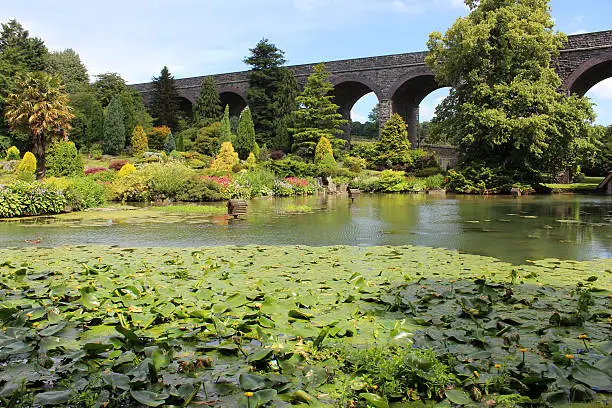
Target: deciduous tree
point(506, 109)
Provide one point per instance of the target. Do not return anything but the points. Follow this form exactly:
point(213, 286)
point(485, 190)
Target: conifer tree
point(170, 144)
point(114, 129)
point(324, 154)
point(226, 126)
point(317, 115)
point(207, 108)
point(226, 159)
point(244, 141)
point(271, 91)
point(164, 105)
point(140, 143)
point(393, 146)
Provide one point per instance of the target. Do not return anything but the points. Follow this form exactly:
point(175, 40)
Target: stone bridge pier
point(402, 81)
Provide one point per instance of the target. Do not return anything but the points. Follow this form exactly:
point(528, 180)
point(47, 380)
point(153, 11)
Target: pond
point(511, 229)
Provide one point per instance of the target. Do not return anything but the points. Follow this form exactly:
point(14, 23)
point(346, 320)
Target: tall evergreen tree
point(271, 89)
point(208, 106)
point(114, 128)
point(506, 110)
point(244, 142)
point(164, 105)
point(317, 115)
point(226, 126)
point(21, 51)
point(393, 147)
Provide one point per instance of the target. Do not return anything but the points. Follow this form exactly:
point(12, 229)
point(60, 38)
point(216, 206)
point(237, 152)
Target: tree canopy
point(207, 108)
point(164, 105)
point(505, 109)
point(39, 107)
point(271, 91)
point(317, 116)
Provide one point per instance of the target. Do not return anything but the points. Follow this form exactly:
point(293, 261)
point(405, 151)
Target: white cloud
point(602, 90)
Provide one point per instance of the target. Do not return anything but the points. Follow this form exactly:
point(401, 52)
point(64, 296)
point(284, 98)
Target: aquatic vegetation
point(244, 326)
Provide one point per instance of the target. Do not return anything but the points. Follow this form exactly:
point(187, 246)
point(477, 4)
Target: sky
point(136, 38)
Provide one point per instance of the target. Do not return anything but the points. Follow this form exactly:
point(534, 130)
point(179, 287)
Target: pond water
point(511, 229)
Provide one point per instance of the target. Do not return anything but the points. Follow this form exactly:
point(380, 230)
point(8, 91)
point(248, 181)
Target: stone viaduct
point(402, 81)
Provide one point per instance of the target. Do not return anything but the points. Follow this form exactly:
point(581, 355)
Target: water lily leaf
point(375, 400)
point(251, 382)
point(592, 376)
point(458, 397)
point(298, 314)
point(52, 397)
point(52, 330)
point(265, 396)
point(149, 398)
point(259, 355)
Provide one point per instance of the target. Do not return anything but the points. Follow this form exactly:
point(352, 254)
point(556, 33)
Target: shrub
point(117, 164)
point(12, 153)
point(167, 180)
point(208, 139)
point(127, 168)
point(367, 150)
point(80, 192)
point(95, 151)
point(324, 154)
point(63, 160)
point(175, 155)
point(245, 135)
point(140, 142)
point(427, 172)
point(288, 167)
point(355, 164)
point(94, 170)
point(27, 167)
point(226, 159)
point(277, 154)
point(157, 137)
point(261, 180)
point(202, 189)
point(434, 182)
point(23, 199)
point(250, 161)
point(392, 181)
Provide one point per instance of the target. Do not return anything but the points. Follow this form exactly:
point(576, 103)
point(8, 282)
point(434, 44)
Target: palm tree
point(39, 107)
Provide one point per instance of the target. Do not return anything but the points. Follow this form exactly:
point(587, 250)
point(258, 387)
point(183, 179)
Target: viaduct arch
point(402, 81)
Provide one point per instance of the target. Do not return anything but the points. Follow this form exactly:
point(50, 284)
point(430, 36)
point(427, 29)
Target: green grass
point(573, 188)
point(188, 209)
point(593, 180)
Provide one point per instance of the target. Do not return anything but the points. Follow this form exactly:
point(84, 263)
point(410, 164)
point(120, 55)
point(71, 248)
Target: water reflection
point(569, 227)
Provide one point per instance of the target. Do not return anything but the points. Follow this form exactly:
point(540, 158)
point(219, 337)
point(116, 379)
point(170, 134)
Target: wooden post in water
point(236, 208)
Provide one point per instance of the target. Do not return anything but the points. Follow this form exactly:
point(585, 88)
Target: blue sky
point(197, 37)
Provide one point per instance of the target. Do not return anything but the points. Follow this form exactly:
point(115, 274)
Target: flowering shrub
point(282, 188)
point(299, 185)
point(21, 199)
point(223, 181)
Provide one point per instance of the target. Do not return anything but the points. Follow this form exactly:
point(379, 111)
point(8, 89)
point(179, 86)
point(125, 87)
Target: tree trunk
point(38, 149)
